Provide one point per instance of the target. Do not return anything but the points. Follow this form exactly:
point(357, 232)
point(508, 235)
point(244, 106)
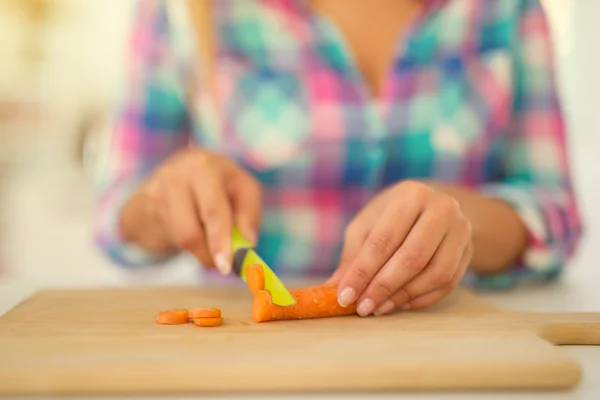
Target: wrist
point(498, 234)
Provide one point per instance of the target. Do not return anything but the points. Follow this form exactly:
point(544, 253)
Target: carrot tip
point(261, 305)
point(255, 278)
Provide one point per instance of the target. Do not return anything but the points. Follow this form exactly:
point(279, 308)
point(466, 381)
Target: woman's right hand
point(191, 203)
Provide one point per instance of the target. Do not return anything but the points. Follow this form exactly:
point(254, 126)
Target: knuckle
point(154, 191)
point(447, 206)
point(346, 259)
point(187, 240)
point(210, 213)
point(466, 225)
point(169, 176)
point(200, 161)
point(161, 175)
point(385, 288)
point(413, 259)
point(414, 189)
point(175, 163)
point(362, 274)
point(405, 295)
point(411, 186)
point(158, 202)
point(442, 276)
point(381, 243)
point(176, 179)
point(454, 203)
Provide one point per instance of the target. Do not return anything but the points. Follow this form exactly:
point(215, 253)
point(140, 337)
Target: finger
point(178, 214)
point(201, 252)
point(390, 230)
point(334, 279)
point(246, 198)
point(414, 288)
point(444, 264)
point(215, 214)
point(410, 259)
point(427, 299)
point(353, 239)
point(431, 298)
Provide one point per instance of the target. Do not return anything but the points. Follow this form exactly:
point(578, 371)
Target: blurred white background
point(58, 76)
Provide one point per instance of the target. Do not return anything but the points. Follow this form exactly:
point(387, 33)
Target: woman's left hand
point(408, 248)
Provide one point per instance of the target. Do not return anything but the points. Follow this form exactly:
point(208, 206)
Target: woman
point(398, 147)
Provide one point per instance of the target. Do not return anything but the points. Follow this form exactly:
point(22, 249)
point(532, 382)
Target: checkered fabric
point(470, 99)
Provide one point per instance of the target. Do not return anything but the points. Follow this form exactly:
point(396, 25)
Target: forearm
point(499, 235)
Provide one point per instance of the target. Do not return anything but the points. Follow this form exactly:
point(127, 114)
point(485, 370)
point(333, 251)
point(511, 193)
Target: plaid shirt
point(471, 99)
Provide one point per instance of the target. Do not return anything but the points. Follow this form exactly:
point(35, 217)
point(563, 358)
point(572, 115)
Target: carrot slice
point(208, 322)
point(204, 313)
point(311, 302)
point(173, 317)
point(255, 277)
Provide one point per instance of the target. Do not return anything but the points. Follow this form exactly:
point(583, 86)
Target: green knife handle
point(238, 241)
point(240, 247)
point(243, 249)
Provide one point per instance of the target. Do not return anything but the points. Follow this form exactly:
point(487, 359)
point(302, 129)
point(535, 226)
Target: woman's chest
point(370, 32)
point(300, 112)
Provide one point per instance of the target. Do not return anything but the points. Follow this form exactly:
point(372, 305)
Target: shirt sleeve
point(152, 122)
point(537, 180)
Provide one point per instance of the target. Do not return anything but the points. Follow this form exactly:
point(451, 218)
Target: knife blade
point(244, 255)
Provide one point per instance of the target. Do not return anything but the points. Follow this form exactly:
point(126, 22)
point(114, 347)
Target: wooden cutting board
point(107, 342)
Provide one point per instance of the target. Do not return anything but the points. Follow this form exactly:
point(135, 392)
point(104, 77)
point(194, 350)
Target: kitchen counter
point(571, 294)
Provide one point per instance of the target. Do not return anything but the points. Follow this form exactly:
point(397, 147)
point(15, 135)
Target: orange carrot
point(173, 317)
point(204, 313)
point(208, 322)
point(311, 302)
point(255, 277)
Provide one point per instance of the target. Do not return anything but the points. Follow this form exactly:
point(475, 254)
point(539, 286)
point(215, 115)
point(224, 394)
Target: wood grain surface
point(106, 341)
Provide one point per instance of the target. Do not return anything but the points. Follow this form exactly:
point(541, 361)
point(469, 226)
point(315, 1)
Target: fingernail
point(222, 264)
point(405, 307)
point(346, 297)
point(385, 308)
point(365, 307)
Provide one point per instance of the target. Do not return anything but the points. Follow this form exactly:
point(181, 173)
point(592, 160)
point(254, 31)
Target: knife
point(244, 255)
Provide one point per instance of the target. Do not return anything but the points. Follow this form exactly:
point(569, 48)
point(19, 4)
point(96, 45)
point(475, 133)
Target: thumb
point(352, 243)
point(335, 278)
